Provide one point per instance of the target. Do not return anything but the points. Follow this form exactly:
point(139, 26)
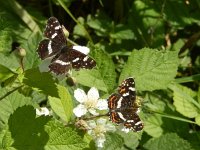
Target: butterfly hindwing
point(46, 49)
point(80, 60)
point(134, 122)
point(71, 58)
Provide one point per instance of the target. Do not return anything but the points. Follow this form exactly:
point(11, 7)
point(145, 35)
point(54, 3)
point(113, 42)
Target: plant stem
point(10, 92)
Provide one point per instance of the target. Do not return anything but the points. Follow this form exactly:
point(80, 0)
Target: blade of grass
point(24, 15)
point(192, 78)
point(173, 117)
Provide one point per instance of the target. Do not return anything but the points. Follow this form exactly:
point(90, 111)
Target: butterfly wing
point(114, 104)
point(80, 60)
point(128, 92)
point(56, 39)
point(71, 58)
point(54, 32)
point(133, 121)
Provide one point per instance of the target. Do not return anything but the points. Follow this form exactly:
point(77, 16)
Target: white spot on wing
point(125, 94)
point(75, 60)
point(54, 35)
point(50, 48)
point(57, 27)
point(131, 88)
point(140, 122)
point(61, 62)
point(85, 58)
point(130, 120)
point(121, 116)
point(119, 102)
point(83, 49)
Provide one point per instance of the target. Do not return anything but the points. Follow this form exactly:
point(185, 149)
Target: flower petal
point(42, 111)
point(92, 124)
point(93, 94)
point(102, 104)
point(93, 111)
point(110, 127)
point(101, 121)
point(80, 95)
point(80, 110)
point(100, 141)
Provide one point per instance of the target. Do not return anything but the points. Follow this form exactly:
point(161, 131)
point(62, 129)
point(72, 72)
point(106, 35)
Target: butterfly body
point(64, 57)
point(123, 107)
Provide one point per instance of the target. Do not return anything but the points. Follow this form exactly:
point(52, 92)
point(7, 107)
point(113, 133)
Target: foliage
point(155, 42)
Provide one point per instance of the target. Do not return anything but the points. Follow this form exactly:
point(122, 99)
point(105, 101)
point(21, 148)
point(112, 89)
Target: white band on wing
point(83, 49)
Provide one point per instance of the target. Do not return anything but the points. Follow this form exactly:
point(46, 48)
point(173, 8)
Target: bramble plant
point(154, 42)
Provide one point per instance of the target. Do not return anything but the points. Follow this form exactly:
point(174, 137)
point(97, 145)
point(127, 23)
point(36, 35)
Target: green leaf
point(91, 78)
point(122, 32)
point(155, 104)
point(101, 24)
point(28, 132)
point(151, 69)
point(11, 102)
point(181, 17)
point(194, 139)
point(79, 29)
point(197, 119)
point(153, 126)
point(134, 142)
point(147, 20)
point(169, 141)
point(103, 76)
point(62, 107)
point(5, 73)
point(63, 138)
point(31, 60)
point(113, 142)
point(41, 81)
point(184, 100)
point(5, 39)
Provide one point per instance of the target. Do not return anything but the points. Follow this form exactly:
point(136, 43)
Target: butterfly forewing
point(54, 31)
point(127, 89)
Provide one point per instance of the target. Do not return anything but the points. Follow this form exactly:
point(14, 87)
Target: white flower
point(89, 103)
point(98, 129)
point(42, 111)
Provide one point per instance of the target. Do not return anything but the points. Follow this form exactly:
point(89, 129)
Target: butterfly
point(64, 57)
point(123, 107)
